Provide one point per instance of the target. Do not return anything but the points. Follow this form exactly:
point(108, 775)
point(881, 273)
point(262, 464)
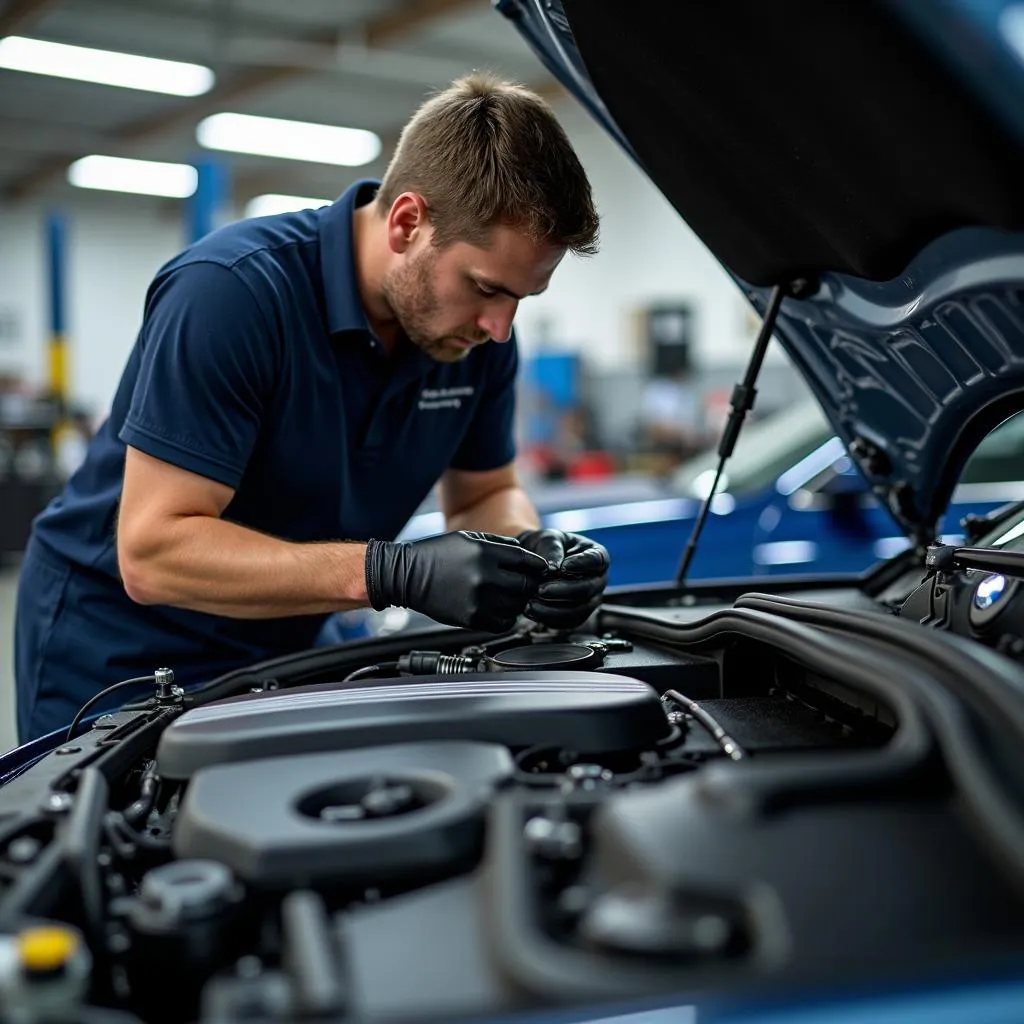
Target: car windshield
point(1008, 534)
point(1000, 456)
point(765, 450)
point(776, 445)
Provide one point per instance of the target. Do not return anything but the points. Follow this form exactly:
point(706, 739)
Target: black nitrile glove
point(479, 580)
point(576, 578)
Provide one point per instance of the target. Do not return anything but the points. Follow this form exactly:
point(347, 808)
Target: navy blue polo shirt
point(255, 366)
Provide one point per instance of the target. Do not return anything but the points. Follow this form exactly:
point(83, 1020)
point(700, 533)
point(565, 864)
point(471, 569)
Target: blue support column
point(56, 245)
point(207, 206)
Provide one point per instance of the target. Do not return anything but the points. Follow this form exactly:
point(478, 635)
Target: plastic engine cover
point(362, 816)
point(584, 711)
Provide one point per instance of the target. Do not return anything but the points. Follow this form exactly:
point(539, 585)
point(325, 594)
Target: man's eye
point(484, 292)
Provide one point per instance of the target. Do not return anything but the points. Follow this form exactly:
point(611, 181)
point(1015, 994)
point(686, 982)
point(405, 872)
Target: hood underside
point(830, 143)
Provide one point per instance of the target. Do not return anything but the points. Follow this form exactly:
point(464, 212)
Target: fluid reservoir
point(185, 924)
point(44, 974)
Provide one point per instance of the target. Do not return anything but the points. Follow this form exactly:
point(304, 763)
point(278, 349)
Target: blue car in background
point(790, 502)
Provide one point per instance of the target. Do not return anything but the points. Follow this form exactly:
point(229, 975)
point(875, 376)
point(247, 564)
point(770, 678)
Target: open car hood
point(864, 155)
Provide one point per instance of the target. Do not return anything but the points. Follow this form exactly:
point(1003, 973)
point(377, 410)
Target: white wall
point(23, 301)
point(647, 255)
point(115, 246)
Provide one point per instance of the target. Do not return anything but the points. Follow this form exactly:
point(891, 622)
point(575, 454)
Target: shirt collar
point(337, 258)
point(343, 302)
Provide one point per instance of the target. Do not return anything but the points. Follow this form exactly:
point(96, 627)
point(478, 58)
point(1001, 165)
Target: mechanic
point(299, 384)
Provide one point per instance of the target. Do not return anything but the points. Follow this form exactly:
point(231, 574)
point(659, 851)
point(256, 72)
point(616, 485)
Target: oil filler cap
point(547, 657)
point(46, 949)
point(183, 890)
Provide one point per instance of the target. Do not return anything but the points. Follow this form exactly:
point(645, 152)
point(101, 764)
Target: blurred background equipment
point(30, 473)
point(560, 441)
point(668, 338)
point(42, 434)
point(671, 424)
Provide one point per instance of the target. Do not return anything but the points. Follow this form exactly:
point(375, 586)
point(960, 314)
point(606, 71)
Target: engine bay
point(721, 795)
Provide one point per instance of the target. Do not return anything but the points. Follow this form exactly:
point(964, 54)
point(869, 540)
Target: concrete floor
point(8, 730)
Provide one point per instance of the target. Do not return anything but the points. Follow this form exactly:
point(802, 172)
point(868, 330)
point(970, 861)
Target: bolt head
point(57, 803)
point(553, 840)
point(249, 967)
point(23, 850)
point(712, 932)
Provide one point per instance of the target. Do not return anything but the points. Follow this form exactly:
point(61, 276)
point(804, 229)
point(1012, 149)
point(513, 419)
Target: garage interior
point(628, 358)
point(594, 770)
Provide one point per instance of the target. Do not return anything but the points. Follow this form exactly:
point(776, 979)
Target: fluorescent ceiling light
point(144, 177)
point(290, 140)
point(104, 67)
point(263, 206)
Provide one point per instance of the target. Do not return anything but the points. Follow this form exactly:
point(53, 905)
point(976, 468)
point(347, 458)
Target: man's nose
point(496, 323)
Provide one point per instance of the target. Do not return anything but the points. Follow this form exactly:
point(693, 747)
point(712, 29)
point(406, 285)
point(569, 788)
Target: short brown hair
point(485, 151)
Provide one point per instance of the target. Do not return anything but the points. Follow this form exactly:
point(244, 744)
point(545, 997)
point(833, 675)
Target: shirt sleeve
point(490, 440)
point(206, 374)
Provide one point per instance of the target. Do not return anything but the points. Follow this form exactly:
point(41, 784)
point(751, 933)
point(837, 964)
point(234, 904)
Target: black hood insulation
point(798, 137)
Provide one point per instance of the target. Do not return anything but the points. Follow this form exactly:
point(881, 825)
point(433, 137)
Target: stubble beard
point(409, 291)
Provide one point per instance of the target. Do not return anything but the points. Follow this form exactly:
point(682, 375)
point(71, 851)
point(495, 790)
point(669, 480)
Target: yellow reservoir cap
point(46, 948)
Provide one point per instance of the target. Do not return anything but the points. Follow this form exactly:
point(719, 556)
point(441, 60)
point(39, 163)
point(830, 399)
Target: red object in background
point(540, 459)
point(547, 462)
point(593, 465)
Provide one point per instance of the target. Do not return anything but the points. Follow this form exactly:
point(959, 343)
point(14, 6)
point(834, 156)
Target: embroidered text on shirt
point(444, 398)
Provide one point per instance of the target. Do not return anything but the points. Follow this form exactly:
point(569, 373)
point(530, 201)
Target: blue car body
point(794, 504)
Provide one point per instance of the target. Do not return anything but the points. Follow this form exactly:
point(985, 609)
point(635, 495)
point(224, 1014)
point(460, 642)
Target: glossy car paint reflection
point(794, 503)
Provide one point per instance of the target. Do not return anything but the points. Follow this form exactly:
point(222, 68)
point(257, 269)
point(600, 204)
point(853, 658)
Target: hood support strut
point(741, 402)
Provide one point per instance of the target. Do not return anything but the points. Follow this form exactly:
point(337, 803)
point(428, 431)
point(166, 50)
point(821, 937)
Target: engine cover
point(362, 816)
point(585, 711)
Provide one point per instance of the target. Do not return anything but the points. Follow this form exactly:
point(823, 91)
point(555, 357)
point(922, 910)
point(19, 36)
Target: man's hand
point(576, 578)
point(479, 580)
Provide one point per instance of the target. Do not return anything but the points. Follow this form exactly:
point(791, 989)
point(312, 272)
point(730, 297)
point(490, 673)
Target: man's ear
point(407, 220)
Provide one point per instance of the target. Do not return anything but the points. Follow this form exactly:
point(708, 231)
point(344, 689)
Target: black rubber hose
point(977, 672)
point(730, 747)
point(310, 956)
point(371, 670)
point(973, 675)
point(858, 664)
point(81, 842)
point(148, 789)
point(785, 781)
point(320, 662)
point(93, 700)
point(122, 837)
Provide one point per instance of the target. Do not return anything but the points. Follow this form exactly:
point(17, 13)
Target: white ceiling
point(361, 63)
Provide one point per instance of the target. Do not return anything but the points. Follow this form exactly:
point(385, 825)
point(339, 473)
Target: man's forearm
point(508, 511)
point(211, 565)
